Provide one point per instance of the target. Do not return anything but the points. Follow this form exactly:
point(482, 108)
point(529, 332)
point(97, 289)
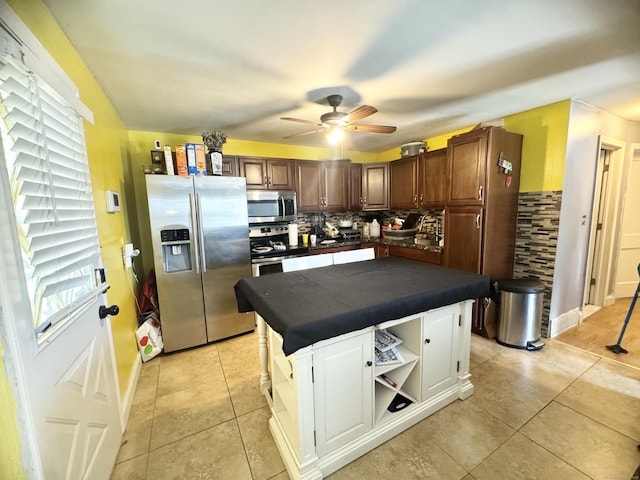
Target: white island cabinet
point(331, 402)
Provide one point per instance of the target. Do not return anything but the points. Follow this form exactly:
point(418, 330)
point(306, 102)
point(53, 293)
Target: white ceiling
point(428, 66)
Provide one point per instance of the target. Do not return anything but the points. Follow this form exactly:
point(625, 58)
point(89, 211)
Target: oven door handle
point(273, 260)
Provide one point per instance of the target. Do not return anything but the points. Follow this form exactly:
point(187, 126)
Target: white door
point(69, 398)
point(629, 254)
point(64, 381)
point(74, 399)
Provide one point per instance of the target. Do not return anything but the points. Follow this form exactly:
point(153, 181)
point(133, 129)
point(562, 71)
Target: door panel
point(463, 234)
point(629, 255)
point(404, 183)
point(280, 174)
point(255, 171)
point(336, 186)
point(467, 169)
point(309, 186)
point(74, 399)
point(344, 391)
point(375, 182)
point(440, 350)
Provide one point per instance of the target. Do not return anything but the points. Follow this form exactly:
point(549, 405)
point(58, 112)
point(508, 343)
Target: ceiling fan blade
point(299, 120)
point(305, 133)
point(359, 113)
point(371, 128)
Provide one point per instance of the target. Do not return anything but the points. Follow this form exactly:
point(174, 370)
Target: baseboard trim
point(564, 322)
point(127, 399)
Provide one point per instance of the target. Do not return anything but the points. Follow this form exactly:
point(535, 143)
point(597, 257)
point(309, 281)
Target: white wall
point(586, 124)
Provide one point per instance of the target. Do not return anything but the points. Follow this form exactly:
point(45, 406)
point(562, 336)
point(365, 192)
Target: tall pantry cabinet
point(481, 210)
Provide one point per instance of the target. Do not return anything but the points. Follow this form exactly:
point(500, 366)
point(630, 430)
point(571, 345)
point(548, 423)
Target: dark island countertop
point(307, 306)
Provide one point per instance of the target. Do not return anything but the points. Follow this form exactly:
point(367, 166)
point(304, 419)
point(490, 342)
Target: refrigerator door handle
point(203, 259)
point(194, 226)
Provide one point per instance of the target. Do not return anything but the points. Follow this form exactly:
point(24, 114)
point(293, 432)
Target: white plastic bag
point(149, 338)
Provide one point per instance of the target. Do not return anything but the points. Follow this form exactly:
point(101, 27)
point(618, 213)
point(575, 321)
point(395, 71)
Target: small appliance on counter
point(317, 225)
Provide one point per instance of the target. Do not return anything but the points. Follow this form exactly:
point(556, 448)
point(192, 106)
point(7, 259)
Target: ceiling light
point(335, 135)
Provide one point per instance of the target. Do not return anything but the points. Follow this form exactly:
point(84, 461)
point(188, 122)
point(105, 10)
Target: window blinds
point(45, 154)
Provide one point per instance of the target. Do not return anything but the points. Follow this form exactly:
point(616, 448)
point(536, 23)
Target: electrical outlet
point(127, 253)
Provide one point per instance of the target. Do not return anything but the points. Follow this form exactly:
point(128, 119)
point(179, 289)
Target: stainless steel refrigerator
point(200, 237)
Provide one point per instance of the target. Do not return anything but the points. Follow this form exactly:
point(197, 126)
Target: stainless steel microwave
point(266, 206)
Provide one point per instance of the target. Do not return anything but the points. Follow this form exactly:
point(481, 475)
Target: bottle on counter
point(374, 229)
point(366, 230)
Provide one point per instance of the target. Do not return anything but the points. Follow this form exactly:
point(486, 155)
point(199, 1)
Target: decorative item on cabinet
point(214, 141)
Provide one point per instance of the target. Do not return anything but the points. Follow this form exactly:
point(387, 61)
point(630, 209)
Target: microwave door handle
point(282, 206)
point(194, 226)
point(203, 260)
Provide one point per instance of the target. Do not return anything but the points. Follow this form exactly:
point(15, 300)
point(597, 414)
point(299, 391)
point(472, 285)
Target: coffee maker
point(317, 225)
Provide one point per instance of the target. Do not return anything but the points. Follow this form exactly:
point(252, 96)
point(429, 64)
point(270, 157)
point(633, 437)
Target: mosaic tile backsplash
point(537, 241)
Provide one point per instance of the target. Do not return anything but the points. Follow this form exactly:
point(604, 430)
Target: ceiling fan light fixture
point(335, 135)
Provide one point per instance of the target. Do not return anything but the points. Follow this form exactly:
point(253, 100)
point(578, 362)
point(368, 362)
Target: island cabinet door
point(343, 390)
point(440, 350)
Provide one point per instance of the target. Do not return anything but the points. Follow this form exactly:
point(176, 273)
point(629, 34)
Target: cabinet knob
point(480, 193)
point(427, 340)
point(369, 363)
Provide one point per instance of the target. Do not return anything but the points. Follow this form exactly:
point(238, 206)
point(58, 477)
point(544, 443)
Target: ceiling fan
point(342, 120)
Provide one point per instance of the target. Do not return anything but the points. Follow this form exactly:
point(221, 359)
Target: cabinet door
point(375, 186)
point(336, 186)
point(440, 350)
point(280, 174)
point(343, 385)
point(255, 171)
point(426, 256)
point(355, 187)
point(463, 238)
point(382, 250)
point(467, 166)
point(404, 183)
point(229, 166)
point(433, 179)
point(309, 186)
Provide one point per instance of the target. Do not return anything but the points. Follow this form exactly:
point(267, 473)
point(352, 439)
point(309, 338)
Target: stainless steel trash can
point(520, 317)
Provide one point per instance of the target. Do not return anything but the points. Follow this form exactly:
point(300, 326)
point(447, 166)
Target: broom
point(617, 348)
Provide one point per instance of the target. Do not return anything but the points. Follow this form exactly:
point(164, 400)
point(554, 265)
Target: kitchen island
point(331, 400)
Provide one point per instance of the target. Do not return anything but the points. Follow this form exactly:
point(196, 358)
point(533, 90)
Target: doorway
point(606, 221)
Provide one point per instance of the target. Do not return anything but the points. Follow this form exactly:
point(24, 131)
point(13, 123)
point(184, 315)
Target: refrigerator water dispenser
point(176, 250)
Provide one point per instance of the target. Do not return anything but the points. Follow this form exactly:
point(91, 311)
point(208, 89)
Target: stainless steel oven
point(267, 206)
point(269, 246)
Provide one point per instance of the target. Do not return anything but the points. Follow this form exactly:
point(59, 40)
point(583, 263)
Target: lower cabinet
point(335, 400)
point(342, 374)
point(419, 254)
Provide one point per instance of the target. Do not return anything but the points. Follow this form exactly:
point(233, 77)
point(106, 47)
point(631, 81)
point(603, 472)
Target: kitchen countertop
point(307, 306)
point(383, 241)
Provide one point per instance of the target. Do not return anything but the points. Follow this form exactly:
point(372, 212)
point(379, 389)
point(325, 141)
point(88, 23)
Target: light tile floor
point(558, 413)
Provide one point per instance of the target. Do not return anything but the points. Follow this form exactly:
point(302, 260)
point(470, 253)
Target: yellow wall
point(544, 145)
point(108, 150)
point(10, 463)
